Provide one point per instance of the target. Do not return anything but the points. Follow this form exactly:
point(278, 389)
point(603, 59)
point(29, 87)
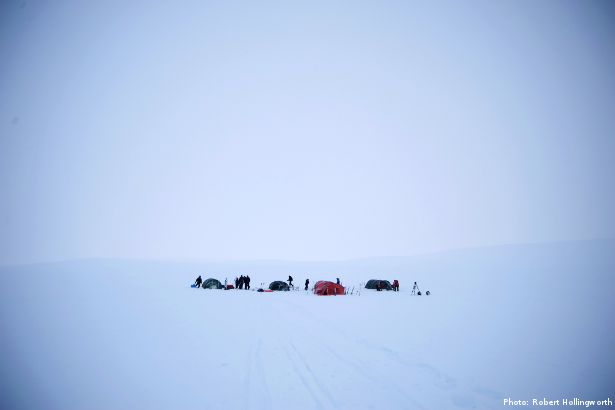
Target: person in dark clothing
point(198, 282)
point(307, 284)
point(415, 287)
point(338, 281)
point(247, 280)
point(236, 282)
point(290, 281)
point(241, 281)
point(396, 285)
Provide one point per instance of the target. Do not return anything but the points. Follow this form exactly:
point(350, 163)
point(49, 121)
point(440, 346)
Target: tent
point(278, 285)
point(326, 288)
point(212, 284)
point(373, 284)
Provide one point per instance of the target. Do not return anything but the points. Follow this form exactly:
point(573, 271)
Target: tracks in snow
point(329, 364)
point(256, 393)
point(312, 383)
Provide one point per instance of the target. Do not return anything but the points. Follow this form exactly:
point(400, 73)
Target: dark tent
point(373, 284)
point(212, 284)
point(326, 288)
point(278, 285)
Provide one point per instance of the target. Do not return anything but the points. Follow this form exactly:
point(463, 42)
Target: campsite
point(321, 288)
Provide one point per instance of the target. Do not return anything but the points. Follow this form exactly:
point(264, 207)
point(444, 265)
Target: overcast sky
point(302, 130)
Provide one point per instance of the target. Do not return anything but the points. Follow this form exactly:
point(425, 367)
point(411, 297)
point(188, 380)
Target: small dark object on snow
point(419, 293)
point(427, 293)
point(307, 283)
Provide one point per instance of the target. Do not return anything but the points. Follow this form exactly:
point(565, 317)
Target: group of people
point(242, 282)
point(290, 282)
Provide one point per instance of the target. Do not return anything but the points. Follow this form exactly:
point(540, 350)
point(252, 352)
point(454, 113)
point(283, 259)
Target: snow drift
point(515, 321)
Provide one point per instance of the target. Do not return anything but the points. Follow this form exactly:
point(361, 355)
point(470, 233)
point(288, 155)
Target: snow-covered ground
point(533, 321)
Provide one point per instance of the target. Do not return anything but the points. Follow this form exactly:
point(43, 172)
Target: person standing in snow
point(236, 282)
point(198, 282)
point(307, 284)
point(396, 285)
point(247, 280)
point(415, 287)
point(290, 281)
point(241, 281)
point(338, 281)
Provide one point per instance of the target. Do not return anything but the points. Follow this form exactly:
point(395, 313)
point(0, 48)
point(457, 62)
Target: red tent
point(326, 288)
